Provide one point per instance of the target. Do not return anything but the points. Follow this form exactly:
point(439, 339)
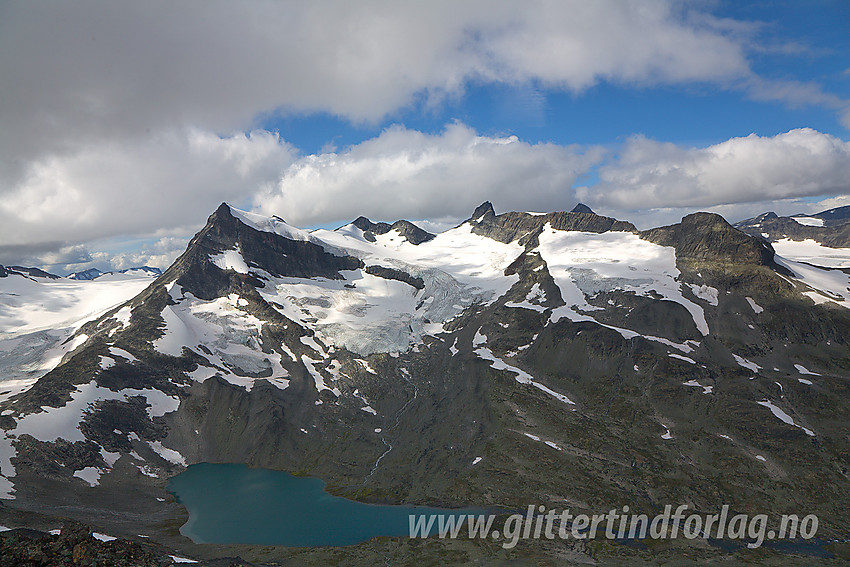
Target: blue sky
point(127, 124)
point(802, 41)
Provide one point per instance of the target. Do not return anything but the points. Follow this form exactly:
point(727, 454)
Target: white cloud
point(649, 174)
point(167, 180)
point(407, 174)
point(109, 108)
point(92, 70)
point(160, 253)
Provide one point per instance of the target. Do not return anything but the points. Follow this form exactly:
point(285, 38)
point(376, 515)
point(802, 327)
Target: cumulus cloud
point(77, 71)
point(166, 180)
point(650, 174)
point(407, 174)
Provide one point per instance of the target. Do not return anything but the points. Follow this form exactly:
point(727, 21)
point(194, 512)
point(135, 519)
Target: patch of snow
point(230, 260)
point(808, 221)
point(120, 352)
point(705, 389)
point(666, 434)
point(89, 474)
point(832, 285)
point(178, 559)
point(232, 336)
point(803, 370)
point(680, 357)
point(365, 366)
point(311, 342)
point(63, 422)
point(804, 381)
point(533, 298)
point(584, 264)
point(759, 457)
point(525, 305)
point(746, 363)
point(755, 306)
point(109, 458)
point(522, 376)
point(778, 412)
point(479, 338)
point(147, 470)
point(705, 292)
point(476, 460)
point(813, 252)
point(102, 537)
point(169, 455)
point(319, 380)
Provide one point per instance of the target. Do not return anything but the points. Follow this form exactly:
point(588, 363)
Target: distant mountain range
point(93, 273)
point(560, 359)
point(820, 239)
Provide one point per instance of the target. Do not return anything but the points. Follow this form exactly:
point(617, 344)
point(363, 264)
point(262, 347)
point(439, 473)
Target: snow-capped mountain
point(822, 239)
point(94, 273)
point(89, 274)
point(515, 358)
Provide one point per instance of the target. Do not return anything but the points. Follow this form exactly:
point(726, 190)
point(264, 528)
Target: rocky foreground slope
point(562, 359)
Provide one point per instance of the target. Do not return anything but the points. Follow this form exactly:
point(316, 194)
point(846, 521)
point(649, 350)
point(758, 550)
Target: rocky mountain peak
point(407, 229)
point(524, 227)
point(218, 257)
point(582, 208)
point(484, 210)
point(707, 236)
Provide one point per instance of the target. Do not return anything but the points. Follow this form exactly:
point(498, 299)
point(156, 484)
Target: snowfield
point(583, 264)
point(813, 252)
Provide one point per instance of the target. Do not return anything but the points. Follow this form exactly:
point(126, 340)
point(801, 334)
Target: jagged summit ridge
point(582, 208)
point(404, 228)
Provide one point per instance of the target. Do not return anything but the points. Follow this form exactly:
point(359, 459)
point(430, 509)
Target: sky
point(123, 125)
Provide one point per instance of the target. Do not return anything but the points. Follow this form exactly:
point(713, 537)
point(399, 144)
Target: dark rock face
point(582, 208)
point(277, 255)
point(411, 232)
point(708, 237)
point(525, 227)
point(393, 274)
point(407, 229)
point(90, 274)
point(482, 211)
point(29, 272)
point(74, 547)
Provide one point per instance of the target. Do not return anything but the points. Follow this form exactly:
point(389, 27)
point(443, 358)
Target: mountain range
point(821, 239)
point(565, 359)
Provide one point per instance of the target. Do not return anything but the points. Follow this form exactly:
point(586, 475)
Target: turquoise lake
point(231, 503)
